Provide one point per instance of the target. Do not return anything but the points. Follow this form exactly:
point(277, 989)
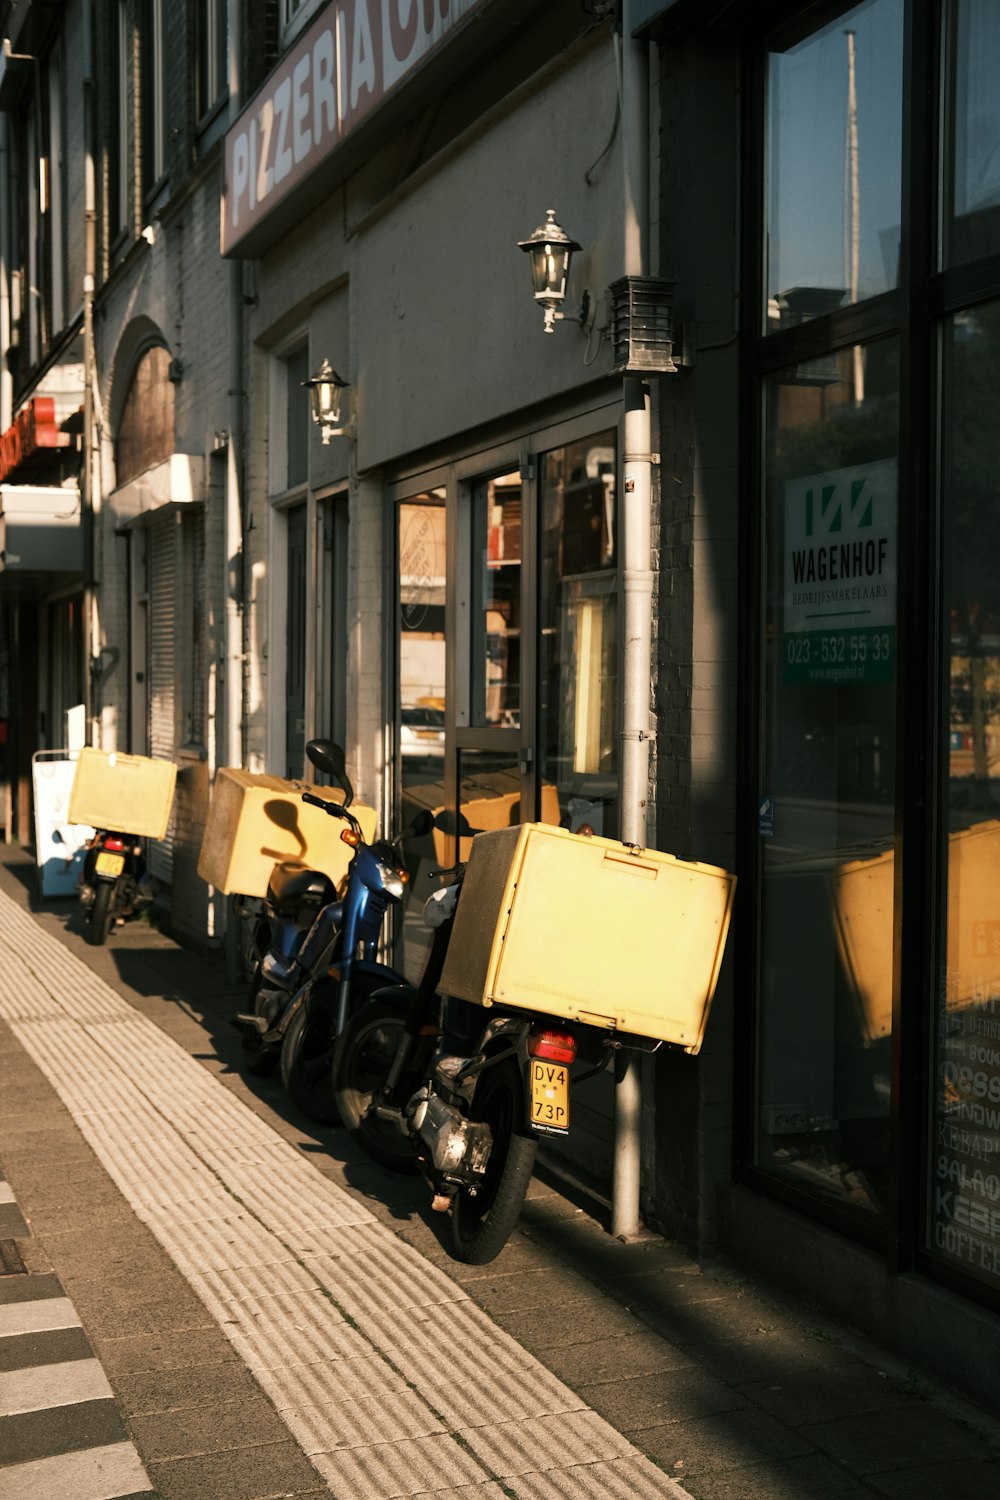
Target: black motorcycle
point(426, 1081)
point(115, 883)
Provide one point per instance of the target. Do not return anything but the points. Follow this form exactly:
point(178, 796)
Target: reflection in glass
point(974, 210)
point(834, 154)
point(827, 796)
point(578, 669)
point(489, 794)
point(964, 1192)
point(496, 595)
point(420, 728)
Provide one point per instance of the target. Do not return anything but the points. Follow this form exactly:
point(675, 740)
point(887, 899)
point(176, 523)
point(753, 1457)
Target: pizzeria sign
point(354, 55)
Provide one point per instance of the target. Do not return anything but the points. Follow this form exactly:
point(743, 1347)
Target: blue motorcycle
point(320, 963)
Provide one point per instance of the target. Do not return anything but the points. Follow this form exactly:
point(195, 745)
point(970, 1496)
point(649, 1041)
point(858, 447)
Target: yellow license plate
point(109, 864)
point(549, 1097)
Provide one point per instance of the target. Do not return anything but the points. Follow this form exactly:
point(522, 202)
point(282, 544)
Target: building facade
point(714, 575)
point(853, 147)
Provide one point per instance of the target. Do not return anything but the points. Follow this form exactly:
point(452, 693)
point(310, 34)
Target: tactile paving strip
point(388, 1376)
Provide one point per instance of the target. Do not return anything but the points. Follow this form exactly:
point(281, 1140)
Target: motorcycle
point(114, 884)
point(278, 924)
point(422, 1083)
point(311, 983)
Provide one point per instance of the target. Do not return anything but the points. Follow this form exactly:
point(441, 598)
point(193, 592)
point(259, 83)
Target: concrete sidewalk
point(276, 1315)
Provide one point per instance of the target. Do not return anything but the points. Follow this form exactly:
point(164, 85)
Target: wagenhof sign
point(354, 54)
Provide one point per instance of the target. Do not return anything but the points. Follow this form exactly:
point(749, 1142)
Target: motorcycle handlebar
point(335, 809)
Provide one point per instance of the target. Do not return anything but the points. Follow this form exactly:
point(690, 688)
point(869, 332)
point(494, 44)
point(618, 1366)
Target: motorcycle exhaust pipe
point(458, 1147)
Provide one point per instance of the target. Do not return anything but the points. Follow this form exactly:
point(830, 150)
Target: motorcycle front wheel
point(307, 1049)
point(101, 913)
point(482, 1222)
point(368, 1047)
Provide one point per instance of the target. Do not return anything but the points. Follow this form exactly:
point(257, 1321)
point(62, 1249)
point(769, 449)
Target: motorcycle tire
point(101, 913)
point(258, 1060)
point(307, 1049)
point(367, 1049)
point(307, 1061)
point(482, 1222)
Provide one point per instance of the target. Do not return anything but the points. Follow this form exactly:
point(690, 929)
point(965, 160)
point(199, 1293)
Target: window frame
point(154, 101)
point(211, 61)
point(928, 293)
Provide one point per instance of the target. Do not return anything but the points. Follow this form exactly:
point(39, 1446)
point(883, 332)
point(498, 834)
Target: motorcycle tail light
point(114, 843)
point(556, 1046)
point(348, 836)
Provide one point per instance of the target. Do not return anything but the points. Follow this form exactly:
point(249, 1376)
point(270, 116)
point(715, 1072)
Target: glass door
point(421, 777)
point(494, 728)
point(507, 646)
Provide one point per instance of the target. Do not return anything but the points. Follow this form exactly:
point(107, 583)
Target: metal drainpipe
point(230, 750)
point(6, 379)
point(637, 585)
point(229, 744)
point(91, 498)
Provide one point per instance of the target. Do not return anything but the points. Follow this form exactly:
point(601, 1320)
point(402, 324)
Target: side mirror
point(421, 825)
point(329, 757)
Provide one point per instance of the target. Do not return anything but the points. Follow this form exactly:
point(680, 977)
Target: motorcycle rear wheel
point(101, 913)
point(482, 1222)
point(368, 1048)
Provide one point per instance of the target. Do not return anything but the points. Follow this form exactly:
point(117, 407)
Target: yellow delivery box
point(592, 930)
point(125, 793)
point(255, 822)
point(862, 897)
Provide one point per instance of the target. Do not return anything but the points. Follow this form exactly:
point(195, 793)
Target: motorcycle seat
point(292, 886)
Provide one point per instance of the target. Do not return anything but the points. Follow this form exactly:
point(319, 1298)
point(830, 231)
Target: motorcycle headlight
point(393, 881)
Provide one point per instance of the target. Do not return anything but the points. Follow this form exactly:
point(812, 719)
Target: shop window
point(964, 1179)
point(973, 189)
point(578, 639)
point(833, 164)
point(496, 609)
point(828, 741)
point(421, 551)
point(422, 539)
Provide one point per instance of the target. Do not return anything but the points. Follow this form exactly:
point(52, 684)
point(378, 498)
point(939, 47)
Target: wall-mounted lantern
point(550, 250)
point(326, 390)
